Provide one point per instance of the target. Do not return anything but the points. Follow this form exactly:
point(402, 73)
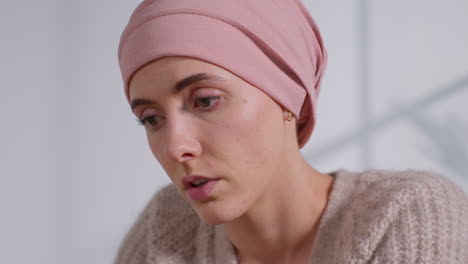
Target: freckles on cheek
point(231, 131)
point(240, 138)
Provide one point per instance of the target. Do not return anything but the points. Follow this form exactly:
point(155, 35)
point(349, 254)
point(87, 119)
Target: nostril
point(186, 156)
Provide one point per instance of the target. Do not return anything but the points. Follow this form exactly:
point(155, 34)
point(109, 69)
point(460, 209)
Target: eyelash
point(144, 120)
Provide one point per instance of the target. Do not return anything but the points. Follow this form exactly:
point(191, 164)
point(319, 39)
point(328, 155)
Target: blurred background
point(75, 168)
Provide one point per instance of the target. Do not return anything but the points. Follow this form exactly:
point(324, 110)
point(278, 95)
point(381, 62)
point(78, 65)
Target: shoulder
point(164, 231)
point(420, 215)
point(394, 194)
point(401, 186)
point(410, 187)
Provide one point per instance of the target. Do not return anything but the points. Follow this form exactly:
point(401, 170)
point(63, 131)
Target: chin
point(215, 213)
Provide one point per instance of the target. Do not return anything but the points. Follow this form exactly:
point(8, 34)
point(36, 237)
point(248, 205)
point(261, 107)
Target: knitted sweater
point(375, 216)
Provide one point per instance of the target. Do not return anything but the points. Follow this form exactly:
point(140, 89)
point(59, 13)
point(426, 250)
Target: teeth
point(198, 182)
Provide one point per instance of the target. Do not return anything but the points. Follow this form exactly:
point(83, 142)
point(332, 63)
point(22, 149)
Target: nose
point(182, 143)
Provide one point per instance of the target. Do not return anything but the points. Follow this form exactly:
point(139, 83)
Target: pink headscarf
point(274, 45)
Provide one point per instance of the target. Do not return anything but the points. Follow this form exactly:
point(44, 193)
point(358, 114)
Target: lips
point(199, 187)
point(194, 181)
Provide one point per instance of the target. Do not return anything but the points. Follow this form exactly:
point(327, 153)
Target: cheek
point(156, 148)
point(246, 149)
point(153, 146)
point(249, 139)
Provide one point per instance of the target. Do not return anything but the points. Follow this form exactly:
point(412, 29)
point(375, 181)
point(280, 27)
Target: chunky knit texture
point(375, 216)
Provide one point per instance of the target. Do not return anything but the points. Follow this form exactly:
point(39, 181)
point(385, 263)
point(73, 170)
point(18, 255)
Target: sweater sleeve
point(432, 228)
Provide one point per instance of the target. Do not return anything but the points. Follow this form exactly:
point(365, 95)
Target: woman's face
point(214, 125)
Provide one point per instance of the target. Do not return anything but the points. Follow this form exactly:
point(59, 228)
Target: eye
point(206, 102)
point(151, 121)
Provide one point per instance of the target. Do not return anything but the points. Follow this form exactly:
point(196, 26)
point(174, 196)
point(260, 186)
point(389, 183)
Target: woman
point(226, 91)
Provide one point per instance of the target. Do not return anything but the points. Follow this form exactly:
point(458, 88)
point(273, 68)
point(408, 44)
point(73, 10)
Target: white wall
point(75, 168)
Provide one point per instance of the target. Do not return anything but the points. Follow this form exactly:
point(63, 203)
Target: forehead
point(170, 68)
point(170, 75)
point(165, 72)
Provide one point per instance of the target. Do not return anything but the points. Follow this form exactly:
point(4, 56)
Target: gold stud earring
point(289, 116)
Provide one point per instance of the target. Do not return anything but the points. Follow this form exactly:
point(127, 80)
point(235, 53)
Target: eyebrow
point(179, 86)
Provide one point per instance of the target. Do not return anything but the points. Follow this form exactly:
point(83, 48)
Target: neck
point(285, 219)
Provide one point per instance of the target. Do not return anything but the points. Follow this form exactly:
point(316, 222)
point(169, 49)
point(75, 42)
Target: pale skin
point(268, 199)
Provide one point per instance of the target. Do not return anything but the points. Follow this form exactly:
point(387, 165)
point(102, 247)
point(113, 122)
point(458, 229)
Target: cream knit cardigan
point(375, 216)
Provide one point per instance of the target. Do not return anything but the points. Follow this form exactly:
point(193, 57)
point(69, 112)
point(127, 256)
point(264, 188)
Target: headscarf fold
point(275, 45)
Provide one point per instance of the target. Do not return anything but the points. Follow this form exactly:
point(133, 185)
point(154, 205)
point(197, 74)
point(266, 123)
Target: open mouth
point(199, 187)
point(198, 183)
point(195, 181)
